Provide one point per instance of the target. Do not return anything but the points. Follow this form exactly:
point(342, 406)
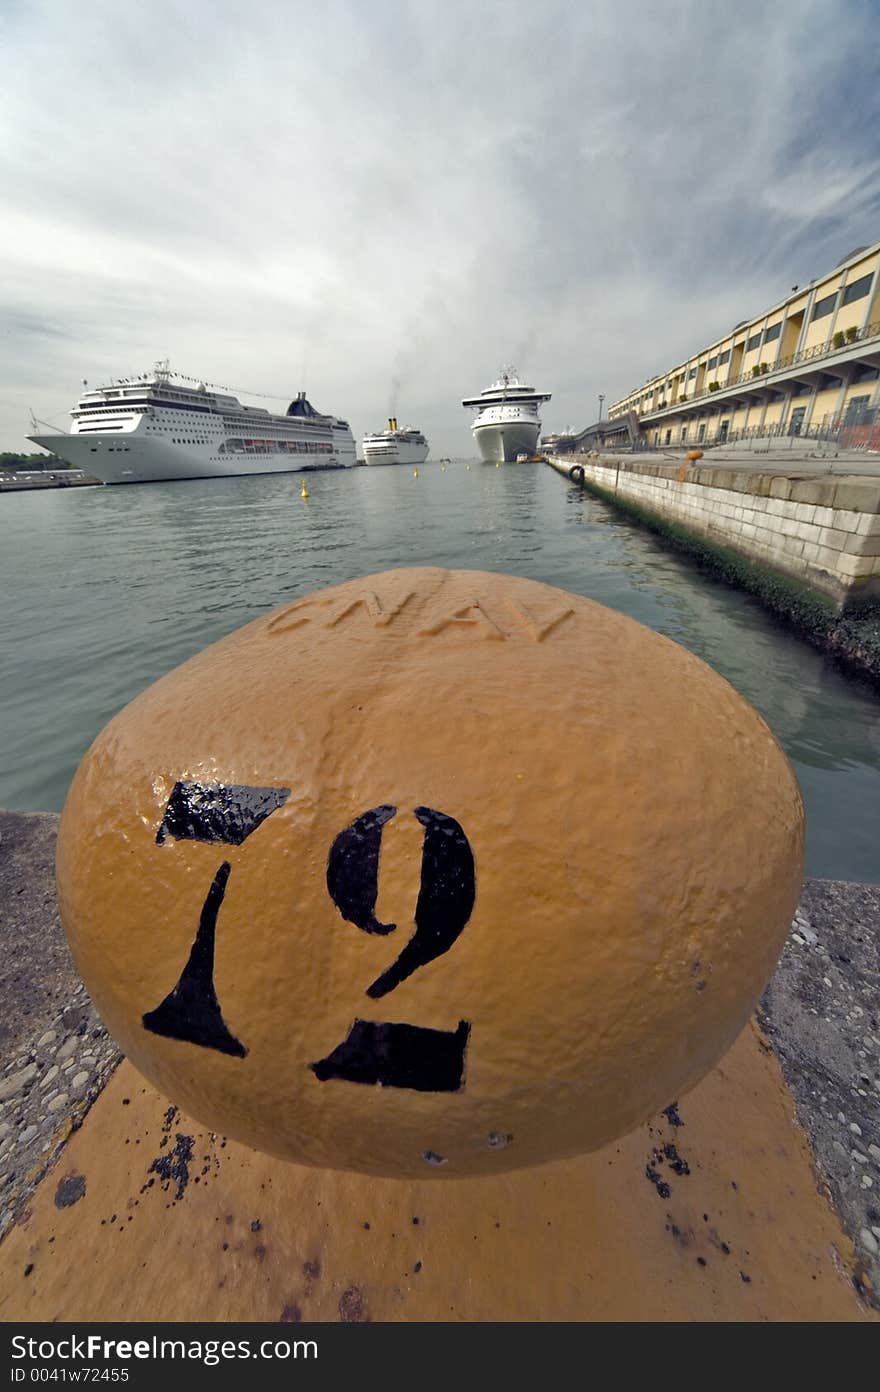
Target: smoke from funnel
point(525, 349)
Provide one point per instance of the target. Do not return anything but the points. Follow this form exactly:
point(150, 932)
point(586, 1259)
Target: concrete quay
point(46, 478)
point(802, 534)
point(772, 455)
point(816, 526)
point(756, 1196)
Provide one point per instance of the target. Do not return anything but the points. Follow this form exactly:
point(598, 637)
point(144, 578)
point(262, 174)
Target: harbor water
point(106, 589)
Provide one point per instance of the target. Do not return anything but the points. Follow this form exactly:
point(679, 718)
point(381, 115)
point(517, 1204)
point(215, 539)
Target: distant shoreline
point(30, 479)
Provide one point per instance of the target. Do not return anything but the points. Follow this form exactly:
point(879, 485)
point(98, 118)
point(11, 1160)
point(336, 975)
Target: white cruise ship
point(154, 429)
point(393, 446)
point(506, 423)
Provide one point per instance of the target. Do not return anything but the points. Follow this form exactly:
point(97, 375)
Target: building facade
point(809, 365)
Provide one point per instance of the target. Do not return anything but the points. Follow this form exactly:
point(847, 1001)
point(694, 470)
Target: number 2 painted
point(391, 1054)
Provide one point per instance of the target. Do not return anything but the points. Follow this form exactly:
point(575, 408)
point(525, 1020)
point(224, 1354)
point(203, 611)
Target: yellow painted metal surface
point(585, 850)
point(146, 1217)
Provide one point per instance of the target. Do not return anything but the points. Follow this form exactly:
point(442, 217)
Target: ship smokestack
point(390, 422)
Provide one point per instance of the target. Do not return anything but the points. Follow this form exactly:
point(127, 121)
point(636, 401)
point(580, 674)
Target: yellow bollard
point(360, 933)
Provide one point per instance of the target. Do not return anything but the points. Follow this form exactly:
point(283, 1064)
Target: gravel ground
point(821, 1012)
point(55, 1055)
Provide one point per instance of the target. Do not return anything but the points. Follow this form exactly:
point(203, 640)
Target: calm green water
point(106, 589)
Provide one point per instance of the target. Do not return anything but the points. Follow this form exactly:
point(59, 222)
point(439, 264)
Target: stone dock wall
point(823, 532)
point(54, 478)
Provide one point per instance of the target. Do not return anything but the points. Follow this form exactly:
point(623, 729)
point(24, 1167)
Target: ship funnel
point(390, 422)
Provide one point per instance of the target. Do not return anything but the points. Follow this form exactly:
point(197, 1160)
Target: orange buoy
point(431, 873)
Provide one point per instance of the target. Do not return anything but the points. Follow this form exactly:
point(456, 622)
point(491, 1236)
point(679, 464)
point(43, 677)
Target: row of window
point(275, 447)
point(229, 417)
point(767, 336)
point(823, 307)
point(147, 401)
point(856, 290)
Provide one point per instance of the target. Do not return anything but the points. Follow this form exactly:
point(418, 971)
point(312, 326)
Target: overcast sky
point(382, 202)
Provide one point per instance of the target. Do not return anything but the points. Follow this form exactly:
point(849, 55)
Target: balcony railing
point(824, 433)
point(819, 350)
point(859, 430)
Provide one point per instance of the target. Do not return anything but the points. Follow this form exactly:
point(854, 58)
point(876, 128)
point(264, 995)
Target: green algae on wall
point(852, 639)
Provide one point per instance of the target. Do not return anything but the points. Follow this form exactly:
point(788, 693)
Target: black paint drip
point(446, 898)
point(226, 812)
point(402, 1056)
point(191, 1012)
point(353, 870)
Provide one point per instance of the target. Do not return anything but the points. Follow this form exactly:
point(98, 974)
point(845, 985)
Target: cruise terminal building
point(807, 365)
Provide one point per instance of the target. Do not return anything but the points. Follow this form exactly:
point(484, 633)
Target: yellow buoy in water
point(361, 935)
point(304, 492)
point(415, 473)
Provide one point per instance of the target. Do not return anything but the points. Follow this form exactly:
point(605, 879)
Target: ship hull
point(130, 458)
point(501, 441)
point(394, 452)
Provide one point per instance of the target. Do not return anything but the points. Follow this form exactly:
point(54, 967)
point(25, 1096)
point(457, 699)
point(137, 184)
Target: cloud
point(342, 196)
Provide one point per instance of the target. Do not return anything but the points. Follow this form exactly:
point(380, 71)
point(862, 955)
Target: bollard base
point(711, 1212)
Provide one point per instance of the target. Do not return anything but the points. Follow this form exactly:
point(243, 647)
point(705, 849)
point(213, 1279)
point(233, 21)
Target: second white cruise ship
point(156, 429)
point(506, 423)
point(393, 446)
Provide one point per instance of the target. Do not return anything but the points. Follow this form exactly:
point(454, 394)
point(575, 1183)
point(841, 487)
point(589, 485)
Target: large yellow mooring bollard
point(432, 873)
